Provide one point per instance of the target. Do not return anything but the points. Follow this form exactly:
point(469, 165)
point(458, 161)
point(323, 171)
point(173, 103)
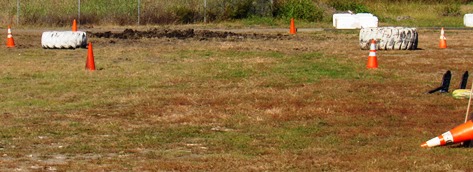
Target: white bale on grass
point(347, 22)
point(367, 20)
point(468, 20)
point(354, 21)
point(389, 38)
point(336, 16)
point(63, 39)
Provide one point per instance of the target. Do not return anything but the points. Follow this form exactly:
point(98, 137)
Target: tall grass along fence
point(130, 12)
point(126, 12)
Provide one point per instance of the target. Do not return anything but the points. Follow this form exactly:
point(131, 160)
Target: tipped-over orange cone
point(90, 63)
point(372, 59)
point(443, 40)
point(458, 134)
point(292, 29)
point(74, 25)
point(10, 41)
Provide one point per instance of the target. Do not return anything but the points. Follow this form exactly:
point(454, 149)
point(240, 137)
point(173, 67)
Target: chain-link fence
point(129, 12)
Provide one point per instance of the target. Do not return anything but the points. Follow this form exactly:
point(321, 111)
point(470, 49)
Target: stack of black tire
point(389, 38)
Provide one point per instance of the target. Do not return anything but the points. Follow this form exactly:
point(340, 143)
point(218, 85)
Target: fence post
point(18, 12)
point(139, 12)
point(78, 11)
point(205, 11)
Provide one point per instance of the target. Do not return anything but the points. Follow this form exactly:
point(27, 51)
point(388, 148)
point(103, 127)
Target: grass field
point(306, 103)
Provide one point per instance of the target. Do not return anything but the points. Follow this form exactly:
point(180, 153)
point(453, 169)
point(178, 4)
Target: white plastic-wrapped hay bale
point(347, 22)
point(354, 21)
point(468, 20)
point(367, 20)
point(336, 16)
point(64, 39)
point(389, 38)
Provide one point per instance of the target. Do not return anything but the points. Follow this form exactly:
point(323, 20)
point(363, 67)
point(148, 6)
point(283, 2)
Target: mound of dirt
point(185, 34)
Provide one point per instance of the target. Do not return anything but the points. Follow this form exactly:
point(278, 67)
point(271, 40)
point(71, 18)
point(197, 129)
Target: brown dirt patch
point(185, 34)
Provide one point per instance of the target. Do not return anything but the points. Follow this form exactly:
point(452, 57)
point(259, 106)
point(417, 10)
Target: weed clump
point(301, 9)
point(450, 9)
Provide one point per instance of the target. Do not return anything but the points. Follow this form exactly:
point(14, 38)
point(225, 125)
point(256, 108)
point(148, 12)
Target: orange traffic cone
point(458, 134)
point(443, 40)
point(292, 29)
point(90, 63)
point(10, 41)
point(372, 59)
point(74, 25)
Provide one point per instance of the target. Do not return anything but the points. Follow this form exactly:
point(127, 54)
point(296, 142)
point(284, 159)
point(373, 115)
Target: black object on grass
point(445, 83)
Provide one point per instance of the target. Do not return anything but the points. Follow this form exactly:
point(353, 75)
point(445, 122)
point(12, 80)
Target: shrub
point(301, 9)
point(228, 10)
point(183, 14)
point(450, 9)
point(261, 8)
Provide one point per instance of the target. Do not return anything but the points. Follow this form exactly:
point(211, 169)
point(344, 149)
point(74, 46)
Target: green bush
point(261, 8)
point(450, 9)
point(229, 10)
point(301, 9)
